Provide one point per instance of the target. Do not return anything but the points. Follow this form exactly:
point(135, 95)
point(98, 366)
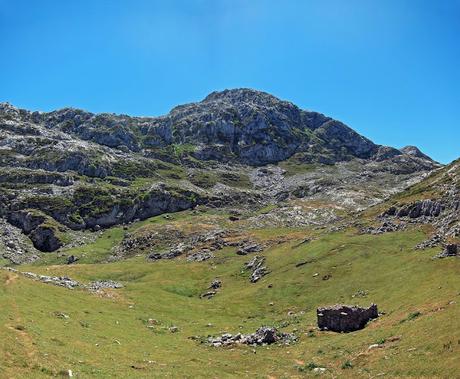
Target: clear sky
point(390, 69)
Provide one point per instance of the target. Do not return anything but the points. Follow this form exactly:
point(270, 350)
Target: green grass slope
point(47, 330)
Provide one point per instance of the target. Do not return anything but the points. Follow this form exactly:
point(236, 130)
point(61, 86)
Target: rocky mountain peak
point(235, 125)
point(415, 152)
point(245, 95)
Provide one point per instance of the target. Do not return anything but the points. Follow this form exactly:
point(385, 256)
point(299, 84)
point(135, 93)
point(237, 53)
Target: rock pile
point(263, 336)
point(258, 270)
point(216, 284)
point(345, 318)
point(451, 250)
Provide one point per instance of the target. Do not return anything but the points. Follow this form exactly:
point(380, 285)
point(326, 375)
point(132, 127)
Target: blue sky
point(390, 69)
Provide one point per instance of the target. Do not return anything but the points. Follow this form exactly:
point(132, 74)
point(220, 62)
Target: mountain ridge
point(239, 125)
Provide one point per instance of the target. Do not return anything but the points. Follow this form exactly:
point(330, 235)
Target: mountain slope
point(70, 170)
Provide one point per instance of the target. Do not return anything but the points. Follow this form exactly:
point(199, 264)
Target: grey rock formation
point(427, 208)
point(451, 250)
point(257, 268)
point(345, 318)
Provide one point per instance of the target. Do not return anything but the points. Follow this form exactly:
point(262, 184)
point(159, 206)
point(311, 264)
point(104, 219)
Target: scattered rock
point(216, 284)
point(171, 254)
point(258, 270)
point(386, 227)
point(344, 318)
point(200, 256)
point(248, 248)
point(62, 281)
point(263, 336)
point(103, 284)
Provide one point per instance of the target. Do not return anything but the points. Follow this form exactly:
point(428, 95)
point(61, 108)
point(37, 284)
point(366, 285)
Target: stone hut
point(345, 318)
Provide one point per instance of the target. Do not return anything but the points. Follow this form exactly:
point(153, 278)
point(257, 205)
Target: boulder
point(72, 259)
point(345, 318)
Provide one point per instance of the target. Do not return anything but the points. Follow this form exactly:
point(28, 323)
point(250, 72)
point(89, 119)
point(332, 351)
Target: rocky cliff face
point(435, 201)
point(81, 170)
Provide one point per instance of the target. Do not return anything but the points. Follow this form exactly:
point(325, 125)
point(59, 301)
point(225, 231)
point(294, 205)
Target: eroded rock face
point(427, 208)
point(44, 235)
point(345, 318)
